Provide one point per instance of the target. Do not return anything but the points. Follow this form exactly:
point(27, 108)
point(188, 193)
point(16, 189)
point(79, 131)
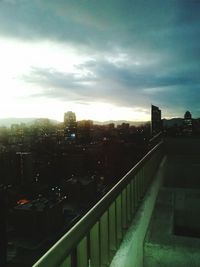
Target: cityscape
point(57, 172)
point(99, 133)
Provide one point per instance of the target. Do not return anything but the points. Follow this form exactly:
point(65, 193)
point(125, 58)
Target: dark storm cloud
point(118, 84)
point(50, 77)
point(59, 85)
point(163, 36)
point(130, 23)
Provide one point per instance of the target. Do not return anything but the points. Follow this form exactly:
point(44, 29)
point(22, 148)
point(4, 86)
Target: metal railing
point(94, 239)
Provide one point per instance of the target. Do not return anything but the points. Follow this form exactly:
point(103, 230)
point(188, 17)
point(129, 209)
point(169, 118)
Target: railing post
point(95, 246)
point(112, 229)
point(129, 202)
point(104, 241)
point(136, 189)
point(141, 178)
point(82, 253)
point(67, 262)
point(124, 209)
point(119, 219)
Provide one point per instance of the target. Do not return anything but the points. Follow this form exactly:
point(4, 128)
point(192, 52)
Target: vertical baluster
point(154, 163)
point(112, 230)
point(67, 262)
point(138, 184)
point(142, 180)
point(151, 168)
point(104, 241)
point(119, 218)
point(124, 209)
point(128, 189)
point(132, 197)
point(136, 189)
point(95, 246)
point(141, 177)
point(82, 253)
point(149, 174)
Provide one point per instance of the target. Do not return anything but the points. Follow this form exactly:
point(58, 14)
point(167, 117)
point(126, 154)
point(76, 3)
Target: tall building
point(156, 122)
point(24, 167)
point(69, 118)
point(16, 168)
point(187, 123)
point(3, 239)
point(84, 130)
point(70, 125)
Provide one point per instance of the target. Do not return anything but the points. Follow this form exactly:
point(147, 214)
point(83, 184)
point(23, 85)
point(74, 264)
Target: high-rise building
point(187, 123)
point(156, 122)
point(84, 130)
point(69, 118)
point(24, 167)
point(70, 125)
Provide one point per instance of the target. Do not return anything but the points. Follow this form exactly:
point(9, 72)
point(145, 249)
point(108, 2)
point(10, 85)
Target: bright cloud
point(115, 58)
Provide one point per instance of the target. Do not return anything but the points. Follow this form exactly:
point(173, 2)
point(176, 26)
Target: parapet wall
point(130, 253)
point(182, 145)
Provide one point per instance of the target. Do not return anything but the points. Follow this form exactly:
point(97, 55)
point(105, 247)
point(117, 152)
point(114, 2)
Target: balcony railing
point(94, 240)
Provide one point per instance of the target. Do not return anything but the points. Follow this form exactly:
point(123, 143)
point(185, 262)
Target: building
point(8, 167)
point(24, 168)
point(85, 128)
point(16, 168)
point(3, 226)
point(70, 125)
point(156, 122)
point(187, 123)
point(69, 119)
point(37, 218)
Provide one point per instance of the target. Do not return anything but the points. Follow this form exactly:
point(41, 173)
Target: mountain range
point(7, 122)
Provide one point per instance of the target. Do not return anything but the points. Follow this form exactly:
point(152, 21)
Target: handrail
point(60, 250)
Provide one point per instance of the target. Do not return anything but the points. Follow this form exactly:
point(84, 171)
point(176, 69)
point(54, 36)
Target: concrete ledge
point(130, 253)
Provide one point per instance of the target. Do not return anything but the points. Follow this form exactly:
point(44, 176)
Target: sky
point(104, 60)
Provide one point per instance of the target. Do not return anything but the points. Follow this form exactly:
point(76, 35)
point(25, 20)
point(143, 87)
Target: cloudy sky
point(107, 59)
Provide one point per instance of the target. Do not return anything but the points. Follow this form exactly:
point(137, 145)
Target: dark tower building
point(69, 118)
point(24, 168)
point(70, 125)
point(187, 123)
point(84, 130)
point(3, 239)
point(156, 122)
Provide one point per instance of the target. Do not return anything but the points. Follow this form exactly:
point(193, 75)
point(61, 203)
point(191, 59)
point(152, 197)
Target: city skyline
point(106, 60)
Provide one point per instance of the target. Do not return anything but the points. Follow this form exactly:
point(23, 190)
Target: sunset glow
point(65, 56)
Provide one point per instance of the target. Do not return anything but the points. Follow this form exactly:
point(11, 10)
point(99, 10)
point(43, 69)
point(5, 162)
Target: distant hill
point(172, 122)
point(7, 122)
point(134, 123)
point(166, 122)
